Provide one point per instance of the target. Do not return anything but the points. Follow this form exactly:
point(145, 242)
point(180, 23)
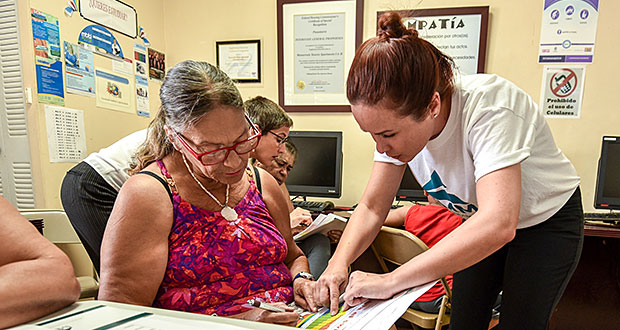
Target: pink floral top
point(215, 266)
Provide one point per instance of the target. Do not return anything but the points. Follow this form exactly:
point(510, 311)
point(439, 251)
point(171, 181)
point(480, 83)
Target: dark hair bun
point(391, 26)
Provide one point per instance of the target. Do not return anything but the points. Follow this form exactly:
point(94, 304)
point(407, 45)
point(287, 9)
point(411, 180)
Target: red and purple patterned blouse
point(215, 266)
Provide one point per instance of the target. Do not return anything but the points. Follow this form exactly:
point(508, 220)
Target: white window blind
point(15, 166)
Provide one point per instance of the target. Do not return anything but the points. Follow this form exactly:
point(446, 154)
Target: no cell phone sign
point(562, 91)
point(563, 83)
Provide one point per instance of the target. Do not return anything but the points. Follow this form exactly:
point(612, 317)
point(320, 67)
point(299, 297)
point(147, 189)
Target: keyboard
point(600, 216)
point(313, 206)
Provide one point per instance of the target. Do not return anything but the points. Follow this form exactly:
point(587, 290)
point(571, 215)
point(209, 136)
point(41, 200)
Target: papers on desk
point(373, 314)
point(106, 317)
point(322, 224)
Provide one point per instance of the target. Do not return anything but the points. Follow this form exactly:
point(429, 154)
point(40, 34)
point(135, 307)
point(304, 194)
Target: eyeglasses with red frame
point(221, 154)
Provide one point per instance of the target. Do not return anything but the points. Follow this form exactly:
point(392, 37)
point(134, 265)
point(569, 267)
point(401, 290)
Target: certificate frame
point(453, 14)
point(311, 101)
point(239, 59)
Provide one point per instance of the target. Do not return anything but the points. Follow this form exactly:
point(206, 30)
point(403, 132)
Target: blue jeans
point(318, 251)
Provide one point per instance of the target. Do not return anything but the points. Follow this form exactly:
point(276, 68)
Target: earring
point(435, 115)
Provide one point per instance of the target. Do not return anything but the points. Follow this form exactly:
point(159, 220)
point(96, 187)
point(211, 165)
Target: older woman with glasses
point(192, 233)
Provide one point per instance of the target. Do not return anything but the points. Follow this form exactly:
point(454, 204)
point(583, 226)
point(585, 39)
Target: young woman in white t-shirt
point(480, 146)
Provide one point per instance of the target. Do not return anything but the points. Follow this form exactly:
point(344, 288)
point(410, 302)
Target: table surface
point(207, 321)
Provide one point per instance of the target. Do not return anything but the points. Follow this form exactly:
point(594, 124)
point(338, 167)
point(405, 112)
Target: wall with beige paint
point(514, 32)
point(188, 30)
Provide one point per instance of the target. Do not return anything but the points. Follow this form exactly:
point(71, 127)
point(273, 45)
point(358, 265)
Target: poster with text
point(65, 134)
point(157, 65)
point(79, 70)
point(101, 41)
point(319, 53)
point(562, 91)
point(47, 53)
point(114, 91)
point(568, 31)
point(142, 82)
point(455, 35)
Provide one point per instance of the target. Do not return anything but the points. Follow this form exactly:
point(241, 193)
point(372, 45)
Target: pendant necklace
point(227, 212)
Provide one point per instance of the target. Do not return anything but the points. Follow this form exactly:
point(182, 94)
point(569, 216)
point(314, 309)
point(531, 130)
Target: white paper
point(319, 53)
point(99, 316)
point(322, 224)
point(65, 134)
point(455, 35)
point(568, 31)
point(123, 66)
point(157, 322)
point(142, 82)
point(239, 60)
point(291, 86)
point(114, 91)
point(562, 91)
point(373, 314)
point(89, 318)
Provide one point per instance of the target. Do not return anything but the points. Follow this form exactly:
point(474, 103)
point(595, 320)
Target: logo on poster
point(563, 83)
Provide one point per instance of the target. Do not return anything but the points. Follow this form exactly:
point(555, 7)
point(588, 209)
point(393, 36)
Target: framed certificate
point(239, 59)
point(460, 33)
point(316, 45)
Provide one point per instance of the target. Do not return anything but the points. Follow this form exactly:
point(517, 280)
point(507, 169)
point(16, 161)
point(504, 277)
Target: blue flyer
point(79, 70)
point(99, 39)
point(48, 65)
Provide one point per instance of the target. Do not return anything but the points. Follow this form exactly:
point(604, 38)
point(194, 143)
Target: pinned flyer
point(71, 7)
point(562, 91)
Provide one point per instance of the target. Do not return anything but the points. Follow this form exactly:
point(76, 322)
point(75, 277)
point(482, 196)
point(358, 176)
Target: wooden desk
point(181, 320)
point(592, 297)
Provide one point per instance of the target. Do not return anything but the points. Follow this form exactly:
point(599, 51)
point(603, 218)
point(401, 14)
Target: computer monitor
point(318, 169)
point(410, 189)
point(607, 194)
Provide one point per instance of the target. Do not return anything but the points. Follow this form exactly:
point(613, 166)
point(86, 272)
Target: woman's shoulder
point(148, 184)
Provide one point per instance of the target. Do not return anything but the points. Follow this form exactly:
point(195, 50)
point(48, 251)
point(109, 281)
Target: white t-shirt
point(113, 162)
point(494, 124)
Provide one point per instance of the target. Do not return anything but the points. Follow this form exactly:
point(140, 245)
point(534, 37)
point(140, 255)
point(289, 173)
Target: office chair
point(58, 230)
point(396, 247)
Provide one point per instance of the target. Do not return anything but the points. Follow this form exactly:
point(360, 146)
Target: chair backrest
point(56, 225)
point(58, 230)
point(398, 246)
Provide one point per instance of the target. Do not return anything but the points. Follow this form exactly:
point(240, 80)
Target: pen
point(265, 306)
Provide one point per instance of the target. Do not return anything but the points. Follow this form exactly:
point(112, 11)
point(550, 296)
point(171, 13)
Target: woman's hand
point(260, 315)
point(301, 217)
point(304, 294)
point(334, 236)
point(363, 286)
point(327, 289)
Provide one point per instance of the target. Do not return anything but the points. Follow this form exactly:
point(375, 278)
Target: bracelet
point(305, 275)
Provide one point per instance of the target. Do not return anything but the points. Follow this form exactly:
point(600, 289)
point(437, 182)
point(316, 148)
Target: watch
point(305, 275)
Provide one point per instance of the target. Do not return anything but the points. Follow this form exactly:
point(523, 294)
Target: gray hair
point(190, 90)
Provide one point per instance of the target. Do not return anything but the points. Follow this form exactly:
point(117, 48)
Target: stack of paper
point(372, 314)
point(322, 224)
